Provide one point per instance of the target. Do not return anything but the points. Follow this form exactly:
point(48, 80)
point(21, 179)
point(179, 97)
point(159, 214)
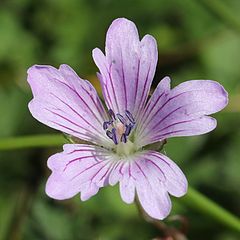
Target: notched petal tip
point(55, 189)
point(88, 190)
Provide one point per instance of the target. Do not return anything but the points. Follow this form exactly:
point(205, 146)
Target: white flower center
point(125, 149)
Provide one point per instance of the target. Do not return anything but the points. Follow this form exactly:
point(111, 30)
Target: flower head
point(116, 138)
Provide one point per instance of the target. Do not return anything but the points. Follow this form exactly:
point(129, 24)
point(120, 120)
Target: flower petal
point(127, 70)
point(65, 102)
point(152, 176)
point(127, 184)
point(181, 111)
point(79, 168)
point(156, 176)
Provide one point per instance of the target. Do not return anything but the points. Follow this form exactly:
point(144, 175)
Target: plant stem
point(201, 203)
point(43, 140)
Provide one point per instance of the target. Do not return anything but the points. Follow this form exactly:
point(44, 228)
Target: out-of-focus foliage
point(193, 43)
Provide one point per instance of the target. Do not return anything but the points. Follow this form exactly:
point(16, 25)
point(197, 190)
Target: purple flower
point(116, 150)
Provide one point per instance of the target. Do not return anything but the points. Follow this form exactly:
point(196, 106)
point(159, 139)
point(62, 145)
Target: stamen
point(121, 118)
point(109, 134)
point(129, 116)
point(119, 127)
point(124, 138)
point(114, 136)
point(106, 124)
point(111, 114)
point(128, 129)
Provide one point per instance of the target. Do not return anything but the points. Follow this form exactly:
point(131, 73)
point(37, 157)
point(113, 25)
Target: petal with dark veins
point(127, 70)
point(67, 103)
point(182, 111)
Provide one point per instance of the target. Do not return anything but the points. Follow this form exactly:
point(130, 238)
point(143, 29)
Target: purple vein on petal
point(146, 116)
point(123, 78)
point(74, 91)
point(68, 128)
point(79, 159)
point(153, 163)
point(168, 115)
point(162, 136)
point(101, 76)
point(162, 159)
point(110, 169)
point(143, 99)
point(113, 90)
point(121, 167)
point(65, 118)
point(129, 170)
point(87, 169)
point(109, 162)
point(73, 130)
point(150, 117)
point(105, 91)
point(77, 113)
point(141, 170)
point(89, 149)
point(176, 123)
point(137, 79)
point(101, 111)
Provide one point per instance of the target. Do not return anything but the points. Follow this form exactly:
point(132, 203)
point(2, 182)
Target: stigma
point(119, 127)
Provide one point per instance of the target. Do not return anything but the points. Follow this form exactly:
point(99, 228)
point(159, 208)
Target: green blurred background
point(196, 40)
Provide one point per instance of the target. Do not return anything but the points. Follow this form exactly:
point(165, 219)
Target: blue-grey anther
point(128, 129)
point(109, 134)
point(106, 124)
point(114, 136)
point(121, 118)
point(124, 138)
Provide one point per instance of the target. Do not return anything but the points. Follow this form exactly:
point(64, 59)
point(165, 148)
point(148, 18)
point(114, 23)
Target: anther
point(119, 127)
point(124, 138)
point(114, 136)
point(109, 134)
point(129, 116)
point(121, 118)
point(106, 124)
point(128, 129)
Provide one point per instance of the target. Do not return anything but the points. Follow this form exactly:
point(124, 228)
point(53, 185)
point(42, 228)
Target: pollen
point(120, 128)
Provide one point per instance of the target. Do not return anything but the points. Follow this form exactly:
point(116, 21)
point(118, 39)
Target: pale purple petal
point(156, 176)
point(88, 190)
point(127, 70)
point(181, 111)
point(157, 99)
point(156, 204)
point(65, 102)
point(152, 176)
point(167, 172)
point(79, 168)
point(127, 184)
